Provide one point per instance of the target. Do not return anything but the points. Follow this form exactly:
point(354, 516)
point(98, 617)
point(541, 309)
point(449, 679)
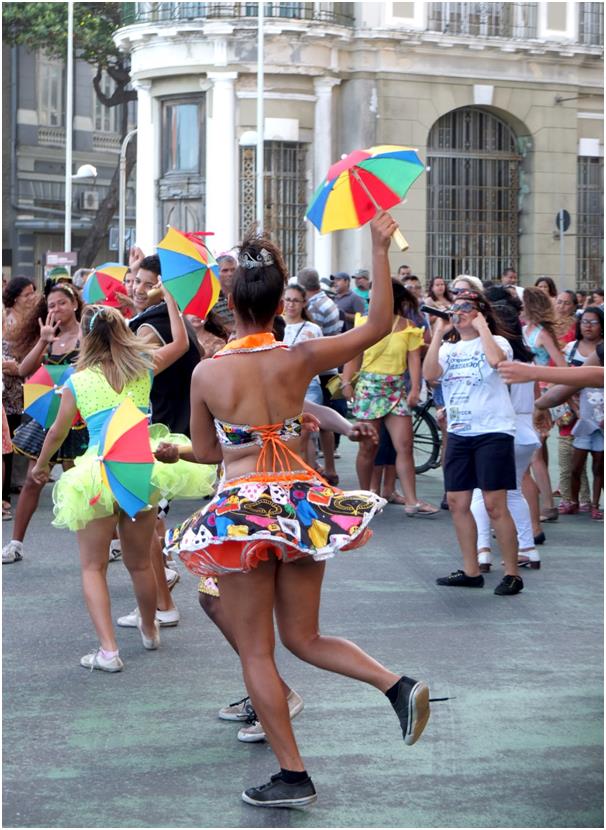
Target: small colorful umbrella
point(104, 283)
point(361, 184)
point(42, 393)
point(126, 457)
point(189, 271)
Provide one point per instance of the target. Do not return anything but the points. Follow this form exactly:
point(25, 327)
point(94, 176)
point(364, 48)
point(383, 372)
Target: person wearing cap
point(348, 303)
point(227, 268)
point(362, 286)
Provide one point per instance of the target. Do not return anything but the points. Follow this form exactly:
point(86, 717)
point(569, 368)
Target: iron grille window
point(284, 197)
point(472, 195)
point(591, 24)
point(513, 20)
point(590, 221)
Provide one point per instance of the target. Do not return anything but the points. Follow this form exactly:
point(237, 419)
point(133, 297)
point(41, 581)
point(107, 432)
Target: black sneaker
point(459, 579)
point(509, 586)
point(277, 793)
point(412, 708)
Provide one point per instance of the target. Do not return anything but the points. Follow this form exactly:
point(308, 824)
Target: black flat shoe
point(540, 539)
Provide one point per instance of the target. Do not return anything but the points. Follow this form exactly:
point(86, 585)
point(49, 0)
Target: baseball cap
point(362, 272)
point(340, 275)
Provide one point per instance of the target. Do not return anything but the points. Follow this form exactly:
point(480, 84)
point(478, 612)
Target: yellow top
point(389, 355)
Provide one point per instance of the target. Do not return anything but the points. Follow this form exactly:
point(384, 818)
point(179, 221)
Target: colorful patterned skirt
point(378, 396)
point(290, 515)
point(29, 438)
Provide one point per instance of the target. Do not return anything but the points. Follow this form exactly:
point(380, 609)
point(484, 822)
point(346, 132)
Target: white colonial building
point(504, 101)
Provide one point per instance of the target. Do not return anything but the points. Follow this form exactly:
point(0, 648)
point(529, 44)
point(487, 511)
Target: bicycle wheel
point(426, 440)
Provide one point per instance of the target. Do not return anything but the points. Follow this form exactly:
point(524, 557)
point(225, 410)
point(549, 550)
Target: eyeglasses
point(590, 323)
point(465, 307)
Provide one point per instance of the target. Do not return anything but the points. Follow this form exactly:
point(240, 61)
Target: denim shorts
point(314, 392)
point(592, 443)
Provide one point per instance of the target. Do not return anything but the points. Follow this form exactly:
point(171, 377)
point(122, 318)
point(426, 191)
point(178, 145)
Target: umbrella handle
point(399, 240)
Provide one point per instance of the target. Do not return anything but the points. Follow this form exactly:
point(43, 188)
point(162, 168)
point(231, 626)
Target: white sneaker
point(115, 550)
point(150, 643)
point(255, 732)
point(166, 619)
point(12, 552)
point(172, 577)
point(235, 711)
point(95, 660)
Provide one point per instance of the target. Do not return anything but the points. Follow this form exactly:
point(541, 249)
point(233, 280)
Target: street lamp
point(122, 197)
point(85, 171)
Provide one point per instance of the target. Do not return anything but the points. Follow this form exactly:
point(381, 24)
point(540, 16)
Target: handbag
point(335, 386)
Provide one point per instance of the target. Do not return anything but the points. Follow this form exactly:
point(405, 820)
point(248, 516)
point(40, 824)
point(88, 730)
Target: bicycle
point(427, 440)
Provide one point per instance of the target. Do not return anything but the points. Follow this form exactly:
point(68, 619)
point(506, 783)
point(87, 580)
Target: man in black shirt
point(170, 389)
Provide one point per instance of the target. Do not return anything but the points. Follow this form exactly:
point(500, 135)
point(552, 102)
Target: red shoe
point(597, 515)
point(585, 507)
point(568, 508)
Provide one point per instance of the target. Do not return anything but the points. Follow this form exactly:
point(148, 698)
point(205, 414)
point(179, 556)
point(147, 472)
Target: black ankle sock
point(290, 776)
point(392, 693)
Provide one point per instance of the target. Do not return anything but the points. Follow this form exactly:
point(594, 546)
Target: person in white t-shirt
point(481, 429)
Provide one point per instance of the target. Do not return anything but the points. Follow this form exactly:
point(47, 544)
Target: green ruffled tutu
point(80, 496)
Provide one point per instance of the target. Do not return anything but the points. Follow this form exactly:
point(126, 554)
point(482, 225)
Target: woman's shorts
point(592, 443)
point(386, 454)
point(484, 461)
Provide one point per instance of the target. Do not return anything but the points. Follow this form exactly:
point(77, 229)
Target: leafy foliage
point(43, 26)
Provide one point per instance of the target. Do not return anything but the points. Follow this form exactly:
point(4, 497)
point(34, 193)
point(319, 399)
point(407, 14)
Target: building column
point(147, 153)
point(221, 184)
point(323, 158)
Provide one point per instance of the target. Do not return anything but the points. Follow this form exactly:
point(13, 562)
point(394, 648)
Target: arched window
point(472, 195)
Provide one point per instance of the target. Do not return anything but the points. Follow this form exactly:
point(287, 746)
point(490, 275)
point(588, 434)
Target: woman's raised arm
point(327, 352)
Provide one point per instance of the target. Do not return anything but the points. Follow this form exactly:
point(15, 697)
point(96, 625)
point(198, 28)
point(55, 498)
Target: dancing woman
point(50, 335)
point(274, 520)
point(114, 365)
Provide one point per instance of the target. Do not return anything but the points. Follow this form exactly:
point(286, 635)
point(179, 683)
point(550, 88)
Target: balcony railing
point(340, 14)
point(506, 20)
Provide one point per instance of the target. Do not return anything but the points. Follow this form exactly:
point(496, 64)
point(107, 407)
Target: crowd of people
point(247, 408)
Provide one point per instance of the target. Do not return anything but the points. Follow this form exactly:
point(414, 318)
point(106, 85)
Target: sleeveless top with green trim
point(95, 397)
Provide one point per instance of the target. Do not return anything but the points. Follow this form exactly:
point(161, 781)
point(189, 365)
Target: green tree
point(43, 27)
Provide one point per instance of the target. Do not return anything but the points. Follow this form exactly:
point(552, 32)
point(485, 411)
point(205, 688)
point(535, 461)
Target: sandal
point(331, 478)
point(597, 515)
point(550, 515)
point(395, 498)
point(421, 509)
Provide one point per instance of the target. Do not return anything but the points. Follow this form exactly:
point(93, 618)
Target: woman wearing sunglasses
point(481, 429)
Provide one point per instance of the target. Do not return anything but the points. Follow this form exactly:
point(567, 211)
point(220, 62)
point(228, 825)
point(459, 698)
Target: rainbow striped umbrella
point(42, 393)
point(126, 457)
point(361, 184)
point(189, 272)
point(103, 283)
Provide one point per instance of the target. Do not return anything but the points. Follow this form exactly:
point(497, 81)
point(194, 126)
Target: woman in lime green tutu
point(113, 365)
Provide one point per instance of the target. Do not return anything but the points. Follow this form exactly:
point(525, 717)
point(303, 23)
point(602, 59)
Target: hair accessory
point(263, 260)
point(91, 323)
point(62, 286)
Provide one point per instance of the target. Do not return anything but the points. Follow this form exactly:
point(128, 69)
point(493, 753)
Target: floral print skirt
point(378, 396)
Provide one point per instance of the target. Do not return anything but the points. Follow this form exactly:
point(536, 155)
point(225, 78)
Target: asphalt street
point(519, 743)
